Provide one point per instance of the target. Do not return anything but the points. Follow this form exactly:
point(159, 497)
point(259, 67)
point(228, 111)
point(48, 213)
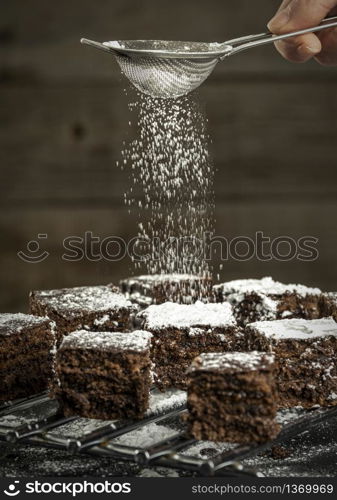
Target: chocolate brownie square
point(265, 300)
point(305, 352)
point(94, 308)
point(182, 332)
point(231, 397)
point(104, 376)
point(27, 344)
point(158, 288)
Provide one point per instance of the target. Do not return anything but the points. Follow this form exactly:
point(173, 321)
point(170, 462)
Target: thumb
point(300, 14)
point(295, 15)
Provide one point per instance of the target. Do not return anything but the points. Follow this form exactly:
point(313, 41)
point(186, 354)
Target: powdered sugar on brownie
point(138, 340)
point(265, 286)
point(233, 362)
point(300, 329)
point(11, 323)
point(90, 298)
point(199, 314)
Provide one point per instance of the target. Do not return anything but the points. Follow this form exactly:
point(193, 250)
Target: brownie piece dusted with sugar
point(182, 332)
point(231, 397)
point(305, 352)
point(158, 288)
point(99, 375)
point(266, 299)
point(26, 353)
point(94, 308)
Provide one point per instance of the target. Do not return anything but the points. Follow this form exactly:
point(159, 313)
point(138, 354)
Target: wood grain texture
point(61, 144)
point(42, 42)
point(294, 220)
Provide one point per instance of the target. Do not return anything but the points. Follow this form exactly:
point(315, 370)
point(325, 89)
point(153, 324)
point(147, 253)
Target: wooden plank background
point(64, 116)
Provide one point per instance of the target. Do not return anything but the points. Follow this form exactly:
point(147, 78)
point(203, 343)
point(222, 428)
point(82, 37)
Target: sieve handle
point(251, 41)
point(97, 45)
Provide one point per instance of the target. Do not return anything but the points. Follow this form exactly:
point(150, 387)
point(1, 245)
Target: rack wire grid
point(38, 421)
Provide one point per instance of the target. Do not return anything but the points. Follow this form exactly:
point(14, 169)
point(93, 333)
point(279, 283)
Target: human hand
point(300, 14)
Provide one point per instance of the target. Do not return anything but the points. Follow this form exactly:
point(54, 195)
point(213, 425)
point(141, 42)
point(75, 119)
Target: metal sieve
point(169, 69)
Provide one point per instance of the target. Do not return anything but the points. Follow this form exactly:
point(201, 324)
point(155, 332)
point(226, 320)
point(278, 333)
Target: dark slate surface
point(312, 454)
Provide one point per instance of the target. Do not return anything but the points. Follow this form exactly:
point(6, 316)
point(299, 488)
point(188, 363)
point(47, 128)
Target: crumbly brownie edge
point(305, 374)
point(235, 403)
point(27, 373)
point(107, 402)
point(174, 349)
point(243, 433)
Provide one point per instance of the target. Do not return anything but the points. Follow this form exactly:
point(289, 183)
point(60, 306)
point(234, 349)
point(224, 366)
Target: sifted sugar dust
point(171, 191)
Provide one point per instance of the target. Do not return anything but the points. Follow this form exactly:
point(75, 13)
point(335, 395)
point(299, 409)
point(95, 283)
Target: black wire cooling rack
point(37, 421)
